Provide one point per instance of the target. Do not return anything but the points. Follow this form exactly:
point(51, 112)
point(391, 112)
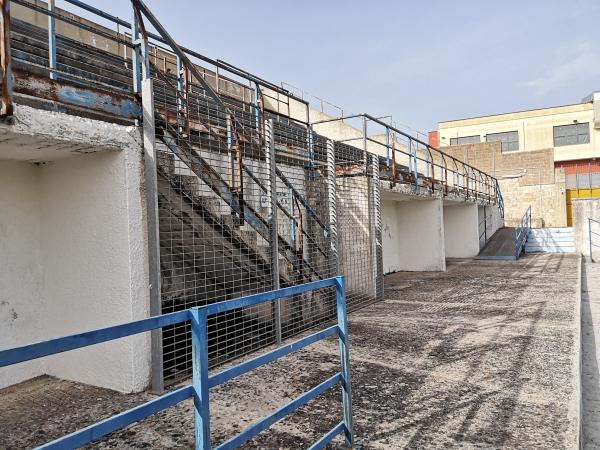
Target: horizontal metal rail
point(202, 382)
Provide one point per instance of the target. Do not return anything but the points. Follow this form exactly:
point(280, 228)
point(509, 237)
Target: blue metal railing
point(521, 232)
point(201, 381)
point(591, 235)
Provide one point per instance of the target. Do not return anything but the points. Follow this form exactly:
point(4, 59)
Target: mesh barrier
point(243, 210)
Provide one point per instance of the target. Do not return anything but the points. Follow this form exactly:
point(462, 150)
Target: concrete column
point(413, 235)
point(461, 230)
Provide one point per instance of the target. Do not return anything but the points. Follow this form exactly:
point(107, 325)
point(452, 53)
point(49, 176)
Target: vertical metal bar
point(200, 378)
point(376, 236)
point(274, 235)
point(151, 184)
point(6, 77)
point(180, 87)
point(590, 238)
point(332, 207)
point(135, 52)
point(344, 345)
point(51, 41)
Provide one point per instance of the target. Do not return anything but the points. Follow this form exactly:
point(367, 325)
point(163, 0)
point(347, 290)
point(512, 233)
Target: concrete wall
point(535, 128)
point(461, 230)
point(413, 235)
point(583, 209)
point(75, 243)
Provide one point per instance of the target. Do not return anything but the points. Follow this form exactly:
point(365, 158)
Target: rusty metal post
point(6, 108)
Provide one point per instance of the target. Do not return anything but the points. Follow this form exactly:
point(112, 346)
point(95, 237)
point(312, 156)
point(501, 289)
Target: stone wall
point(525, 178)
point(583, 209)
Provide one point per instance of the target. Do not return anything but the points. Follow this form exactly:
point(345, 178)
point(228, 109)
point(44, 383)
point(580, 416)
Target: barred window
point(572, 134)
point(465, 140)
point(509, 140)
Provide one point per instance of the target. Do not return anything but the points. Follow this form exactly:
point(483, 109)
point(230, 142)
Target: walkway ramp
point(500, 246)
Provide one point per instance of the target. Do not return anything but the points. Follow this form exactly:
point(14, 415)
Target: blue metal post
point(200, 377)
point(135, 54)
point(344, 344)
point(51, 41)
point(180, 105)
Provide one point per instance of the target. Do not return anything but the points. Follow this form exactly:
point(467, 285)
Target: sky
point(420, 61)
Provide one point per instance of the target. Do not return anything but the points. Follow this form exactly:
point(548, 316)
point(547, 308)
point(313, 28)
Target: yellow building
point(572, 131)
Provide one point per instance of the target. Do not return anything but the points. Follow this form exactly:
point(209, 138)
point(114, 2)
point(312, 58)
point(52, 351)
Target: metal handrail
point(590, 234)
point(201, 381)
point(521, 232)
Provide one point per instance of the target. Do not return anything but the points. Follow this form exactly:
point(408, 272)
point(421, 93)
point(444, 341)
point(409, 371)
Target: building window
point(577, 133)
point(509, 140)
point(465, 140)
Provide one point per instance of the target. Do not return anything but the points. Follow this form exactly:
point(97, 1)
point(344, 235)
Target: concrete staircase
point(550, 240)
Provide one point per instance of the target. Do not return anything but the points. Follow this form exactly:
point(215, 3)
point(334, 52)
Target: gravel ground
point(481, 356)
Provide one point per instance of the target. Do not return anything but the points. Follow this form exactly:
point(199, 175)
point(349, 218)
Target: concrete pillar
point(413, 235)
point(461, 230)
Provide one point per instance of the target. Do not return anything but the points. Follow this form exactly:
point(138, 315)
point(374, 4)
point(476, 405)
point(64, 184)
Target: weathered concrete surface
point(482, 356)
point(590, 347)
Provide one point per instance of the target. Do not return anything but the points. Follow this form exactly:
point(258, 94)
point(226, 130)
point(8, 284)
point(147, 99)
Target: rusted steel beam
point(6, 108)
point(69, 94)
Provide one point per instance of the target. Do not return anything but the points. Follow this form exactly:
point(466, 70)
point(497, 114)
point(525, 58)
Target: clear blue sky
point(421, 61)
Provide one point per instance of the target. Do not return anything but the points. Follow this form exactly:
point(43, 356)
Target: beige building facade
point(567, 136)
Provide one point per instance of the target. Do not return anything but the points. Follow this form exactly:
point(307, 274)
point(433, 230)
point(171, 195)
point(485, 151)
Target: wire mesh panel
point(357, 215)
point(214, 231)
point(235, 221)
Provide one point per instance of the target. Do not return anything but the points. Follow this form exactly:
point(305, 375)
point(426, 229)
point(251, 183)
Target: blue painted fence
point(521, 231)
point(201, 381)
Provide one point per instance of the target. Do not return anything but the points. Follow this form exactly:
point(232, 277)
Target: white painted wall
point(461, 230)
point(413, 235)
point(21, 308)
point(76, 233)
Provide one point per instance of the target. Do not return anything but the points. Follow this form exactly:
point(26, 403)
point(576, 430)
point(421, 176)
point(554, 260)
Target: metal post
point(200, 378)
point(6, 77)
point(332, 207)
point(135, 53)
point(376, 234)
point(271, 186)
point(344, 345)
point(51, 41)
point(151, 183)
point(180, 88)
point(590, 238)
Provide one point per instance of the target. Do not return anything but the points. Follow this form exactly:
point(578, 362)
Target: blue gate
point(201, 380)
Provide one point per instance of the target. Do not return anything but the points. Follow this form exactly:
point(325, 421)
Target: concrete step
point(552, 231)
point(549, 249)
point(551, 238)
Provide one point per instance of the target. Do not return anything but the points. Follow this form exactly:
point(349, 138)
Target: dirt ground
point(481, 356)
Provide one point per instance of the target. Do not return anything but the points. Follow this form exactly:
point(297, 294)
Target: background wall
point(461, 230)
point(413, 235)
point(525, 178)
point(582, 210)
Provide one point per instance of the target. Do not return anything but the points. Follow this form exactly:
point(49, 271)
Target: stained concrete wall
point(73, 249)
point(583, 209)
point(413, 235)
point(461, 230)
